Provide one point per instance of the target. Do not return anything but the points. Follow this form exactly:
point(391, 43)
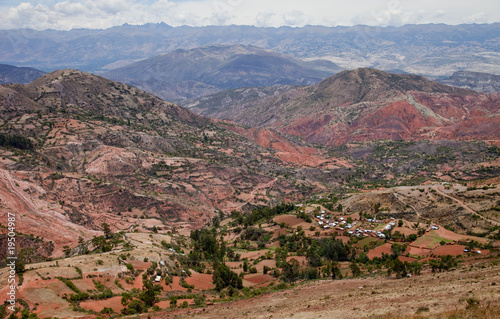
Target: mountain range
point(243, 171)
point(188, 74)
point(427, 49)
point(477, 81)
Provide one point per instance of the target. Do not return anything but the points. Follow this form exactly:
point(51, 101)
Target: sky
point(101, 14)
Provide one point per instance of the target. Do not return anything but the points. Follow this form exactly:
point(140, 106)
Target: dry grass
point(470, 313)
point(441, 295)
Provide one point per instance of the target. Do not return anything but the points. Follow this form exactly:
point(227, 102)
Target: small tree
point(335, 270)
point(148, 294)
point(106, 230)
point(173, 303)
point(280, 256)
point(135, 306)
point(399, 268)
point(313, 255)
point(291, 271)
point(356, 271)
point(224, 277)
point(66, 250)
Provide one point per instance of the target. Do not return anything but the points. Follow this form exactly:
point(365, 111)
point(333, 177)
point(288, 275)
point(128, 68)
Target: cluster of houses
point(341, 224)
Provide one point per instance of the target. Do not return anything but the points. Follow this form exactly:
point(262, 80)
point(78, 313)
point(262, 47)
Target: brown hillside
point(368, 104)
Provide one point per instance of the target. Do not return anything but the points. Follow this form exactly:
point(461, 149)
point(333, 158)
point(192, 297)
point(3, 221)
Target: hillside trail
point(462, 204)
point(397, 195)
point(256, 188)
point(252, 193)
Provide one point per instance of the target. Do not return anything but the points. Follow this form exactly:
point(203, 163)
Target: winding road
point(462, 204)
point(252, 193)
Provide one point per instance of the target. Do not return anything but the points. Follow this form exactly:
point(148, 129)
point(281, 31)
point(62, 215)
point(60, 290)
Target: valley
point(367, 194)
point(277, 256)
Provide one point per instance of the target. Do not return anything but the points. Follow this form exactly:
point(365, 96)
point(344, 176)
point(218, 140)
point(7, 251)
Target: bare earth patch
point(358, 298)
point(200, 281)
point(98, 305)
point(453, 250)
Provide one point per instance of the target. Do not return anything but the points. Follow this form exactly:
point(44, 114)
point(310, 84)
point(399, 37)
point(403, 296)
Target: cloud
point(68, 8)
point(295, 18)
point(478, 17)
point(67, 14)
point(264, 19)
point(112, 7)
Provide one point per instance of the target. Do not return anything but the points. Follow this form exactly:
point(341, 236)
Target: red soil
point(287, 151)
point(140, 265)
point(377, 252)
point(453, 250)
point(447, 234)
point(268, 262)
point(290, 220)
point(407, 259)
point(200, 281)
point(137, 283)
point(301, 259)
point(164, 304)
point(176, 284)
point(279, 232)
point(251, 255)
point(39, 218)
point(417, 251)
point(258, 279)
point(405, 231)
point(98, 305)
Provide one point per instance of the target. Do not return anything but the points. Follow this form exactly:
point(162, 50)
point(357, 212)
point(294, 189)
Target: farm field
point(289, 260)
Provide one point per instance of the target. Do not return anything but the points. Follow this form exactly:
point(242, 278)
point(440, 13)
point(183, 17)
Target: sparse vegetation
point(119, 159)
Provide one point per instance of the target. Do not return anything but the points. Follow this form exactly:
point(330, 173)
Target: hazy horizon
point(93, 14)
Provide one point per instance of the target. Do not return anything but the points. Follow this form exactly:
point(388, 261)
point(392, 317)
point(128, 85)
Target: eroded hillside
point(366, 105)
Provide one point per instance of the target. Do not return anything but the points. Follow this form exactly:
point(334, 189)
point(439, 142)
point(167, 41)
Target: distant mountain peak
point(13, 74)
point(215, 68)
point(477, 81)
point(371, 83)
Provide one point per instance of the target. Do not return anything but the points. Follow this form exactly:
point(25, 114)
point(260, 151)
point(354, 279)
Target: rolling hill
point(188, 74)
point(11, 74)
point(79, 150)
point(366, 105)
point(127, 204)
